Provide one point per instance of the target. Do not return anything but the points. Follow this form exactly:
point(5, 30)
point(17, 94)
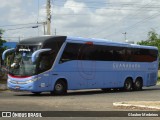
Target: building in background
point(10, 44)
point(130, 42)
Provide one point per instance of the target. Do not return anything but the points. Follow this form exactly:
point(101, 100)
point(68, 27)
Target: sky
point(105, 19)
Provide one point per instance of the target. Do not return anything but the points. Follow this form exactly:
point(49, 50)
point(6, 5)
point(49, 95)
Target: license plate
point(17, 87)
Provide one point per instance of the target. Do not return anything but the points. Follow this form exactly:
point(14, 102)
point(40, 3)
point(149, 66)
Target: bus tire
point(138, 84)
point(60, 87)
point(128, 84)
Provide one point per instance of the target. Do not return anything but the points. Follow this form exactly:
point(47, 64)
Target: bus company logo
point(26, 50)
point(126, 66)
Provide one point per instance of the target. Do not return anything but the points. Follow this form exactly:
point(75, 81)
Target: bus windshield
point(21, 64)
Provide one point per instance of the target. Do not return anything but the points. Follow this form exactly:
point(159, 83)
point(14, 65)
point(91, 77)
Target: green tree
point(1, 42)
point(153, 40)
point(152, 35)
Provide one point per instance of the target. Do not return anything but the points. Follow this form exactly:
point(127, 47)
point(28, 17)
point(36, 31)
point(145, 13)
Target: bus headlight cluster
point(32, 80)
point(9, 80)
point(23, 82)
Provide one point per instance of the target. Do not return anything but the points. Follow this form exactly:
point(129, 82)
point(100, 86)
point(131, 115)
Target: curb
point(3, 87)
point(125, 104)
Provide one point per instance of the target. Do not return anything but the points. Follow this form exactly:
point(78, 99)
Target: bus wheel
point(128, 84)
point(138, 84)
point(60, 87)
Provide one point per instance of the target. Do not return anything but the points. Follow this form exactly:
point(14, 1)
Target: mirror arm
point(37, 52)
point(6, 51)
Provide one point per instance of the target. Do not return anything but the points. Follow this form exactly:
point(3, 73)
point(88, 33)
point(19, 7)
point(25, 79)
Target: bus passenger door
point(44, 81)
point(45, 63)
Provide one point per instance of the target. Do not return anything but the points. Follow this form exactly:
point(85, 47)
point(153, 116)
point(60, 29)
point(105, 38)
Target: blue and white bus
point(59, 63)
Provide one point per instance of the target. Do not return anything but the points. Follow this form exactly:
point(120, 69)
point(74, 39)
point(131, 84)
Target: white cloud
point(9, 3)
point(75, 7)
point(88, 24)
point(102, 19)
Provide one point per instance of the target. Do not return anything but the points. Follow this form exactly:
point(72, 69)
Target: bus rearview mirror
point(35, 55)
point(7, 51)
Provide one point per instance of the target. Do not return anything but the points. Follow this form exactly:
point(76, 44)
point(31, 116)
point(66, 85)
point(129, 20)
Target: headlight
point(9, 80)
point(23, 82)
point(32, 80)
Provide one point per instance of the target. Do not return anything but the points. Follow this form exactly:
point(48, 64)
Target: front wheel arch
point(60, 87)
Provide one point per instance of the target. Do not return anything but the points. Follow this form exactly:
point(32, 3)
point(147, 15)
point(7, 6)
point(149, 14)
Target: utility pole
point(44, 28)
point(48, 7)
point(55, 32)
point(125, 35)
point(19, 39)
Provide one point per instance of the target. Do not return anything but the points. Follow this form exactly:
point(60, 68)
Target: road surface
point(86, 100)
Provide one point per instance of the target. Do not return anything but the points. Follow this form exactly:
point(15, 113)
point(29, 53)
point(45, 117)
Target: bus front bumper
point(19, 85)
point(31, 84)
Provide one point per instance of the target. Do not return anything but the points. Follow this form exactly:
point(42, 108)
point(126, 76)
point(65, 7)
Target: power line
point(135, 5)
point(134, 25)
point(103, 29)
point(114, 8)
point(18, 24)
point(108, 3)
point(23, 27)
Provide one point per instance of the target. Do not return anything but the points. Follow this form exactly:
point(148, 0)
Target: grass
point(158, 75)
point(2, 80)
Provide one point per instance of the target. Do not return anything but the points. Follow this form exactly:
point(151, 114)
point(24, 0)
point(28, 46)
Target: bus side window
point(43, 64)
point(70, 52)
point(46, 61)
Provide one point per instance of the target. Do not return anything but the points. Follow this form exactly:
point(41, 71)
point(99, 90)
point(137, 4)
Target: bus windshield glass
point(21, 64)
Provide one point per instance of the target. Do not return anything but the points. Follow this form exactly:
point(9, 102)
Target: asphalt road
point(90, 100)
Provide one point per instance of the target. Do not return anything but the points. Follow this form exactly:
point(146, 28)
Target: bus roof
point(107, 42)
point(41, 39)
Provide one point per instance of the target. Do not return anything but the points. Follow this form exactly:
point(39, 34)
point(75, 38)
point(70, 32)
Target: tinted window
point(45, 61)
point(70, 52)
point(144, 55)
point(74, 51)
